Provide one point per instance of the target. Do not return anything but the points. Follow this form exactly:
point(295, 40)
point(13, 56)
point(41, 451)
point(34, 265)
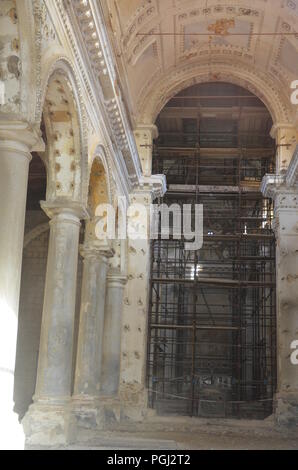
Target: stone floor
point(196, 435)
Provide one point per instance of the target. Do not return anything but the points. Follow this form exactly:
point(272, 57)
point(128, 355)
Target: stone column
point(15, 146)
point(132, 389)
point(46, 420)
point(90, 342)
point(112, 335)
point(285, 136)
point(286, 229)
point(144, 135)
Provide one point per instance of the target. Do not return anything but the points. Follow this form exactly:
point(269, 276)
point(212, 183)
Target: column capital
point(65, 207)
point(144, 136)
point(156, 185)
point(97, 249)
point(281, 126)
point(21, 135)
point(117, 280)
point(271, 184)
point(286, 137)
point(146, 128)
point(284, 196)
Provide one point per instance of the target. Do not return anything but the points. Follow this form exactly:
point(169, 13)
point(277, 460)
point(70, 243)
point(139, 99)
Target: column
point(285, 136)
point(46, 420)
point(286, 228)
point(132, 388)
point(144, 135)
point(90, 342)
point(14, 164)
point(112, 335)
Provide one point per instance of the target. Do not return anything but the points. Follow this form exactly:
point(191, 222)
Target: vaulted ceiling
point(162, 46)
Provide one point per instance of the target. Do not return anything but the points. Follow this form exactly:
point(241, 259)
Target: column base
point(286, 409)
point(97, 413)
point(47, 424)
point(85, 412)
point(134, 402)
point(90, 415)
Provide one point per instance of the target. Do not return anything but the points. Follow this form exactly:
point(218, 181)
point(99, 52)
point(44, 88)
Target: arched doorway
point(212, 327)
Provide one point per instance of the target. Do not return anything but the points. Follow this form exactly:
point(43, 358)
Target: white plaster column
point(286, 229)
point(46, 420)
point(112, 335)
point(285, 136)
point(15, 146)
point(91, 329)
point(144, 135)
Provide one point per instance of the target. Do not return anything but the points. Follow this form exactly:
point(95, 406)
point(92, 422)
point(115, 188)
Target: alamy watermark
point(294, 95)
point(142, 222)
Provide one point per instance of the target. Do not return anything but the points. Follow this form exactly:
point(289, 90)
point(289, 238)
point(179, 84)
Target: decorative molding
point(65, 206)
point(86, 19)
point(156, 94)
point(270, 185)
point(20, 132)
point(155, 184)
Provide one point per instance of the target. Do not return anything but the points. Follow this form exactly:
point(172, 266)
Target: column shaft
point(89, 356)
point(56, 344)
point(112, 335)
point(14, 165)
point(286, 228)
point(287, 301)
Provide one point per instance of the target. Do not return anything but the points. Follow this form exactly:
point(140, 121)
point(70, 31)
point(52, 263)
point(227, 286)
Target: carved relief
point(48, 31)
point(10, 62)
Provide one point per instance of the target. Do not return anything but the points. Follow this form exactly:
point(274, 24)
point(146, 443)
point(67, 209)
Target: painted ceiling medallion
point(221, 27)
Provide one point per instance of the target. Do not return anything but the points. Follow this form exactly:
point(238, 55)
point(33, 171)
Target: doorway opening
point(212, 317)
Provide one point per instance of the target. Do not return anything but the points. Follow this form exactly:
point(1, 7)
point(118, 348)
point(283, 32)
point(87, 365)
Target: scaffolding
point(212, 322)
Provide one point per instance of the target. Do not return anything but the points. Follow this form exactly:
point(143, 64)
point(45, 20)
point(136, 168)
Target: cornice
point(85, 21)
point(279, 187)
point(93, 97)
point(156, 184)
point(271, 184)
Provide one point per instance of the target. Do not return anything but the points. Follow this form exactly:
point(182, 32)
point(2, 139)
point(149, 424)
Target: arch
point(98, 186)
point(264, 87)
point(98, 153)
point(64, 117)
point(34, 233)
point(98, 192)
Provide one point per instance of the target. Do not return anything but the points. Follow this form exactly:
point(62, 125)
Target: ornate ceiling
point(250, 43)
